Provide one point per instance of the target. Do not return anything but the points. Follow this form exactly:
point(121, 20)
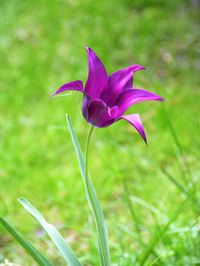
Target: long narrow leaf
point(35, 254)
point(96, 209)
point(53, 233)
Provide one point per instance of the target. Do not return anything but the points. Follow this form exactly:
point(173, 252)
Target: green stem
point(88, 184)
point(86, 152)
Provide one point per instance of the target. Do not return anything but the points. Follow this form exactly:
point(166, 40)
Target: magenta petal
point(97, 113)
point(119, 81)
point(97, 76)
point(136, 122)
point(76, 85)
point(132, 96)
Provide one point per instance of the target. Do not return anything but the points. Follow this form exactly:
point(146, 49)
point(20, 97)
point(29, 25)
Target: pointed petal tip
point(159, 98)
point(76, 85)
point(53, 94)
point(136, 122)
point(97, 75)
point(141, 67)
point(137, 68)
point(143, 135)
point(88, 49)
point(145, 140)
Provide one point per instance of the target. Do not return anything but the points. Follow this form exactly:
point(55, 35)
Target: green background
point(42, 46)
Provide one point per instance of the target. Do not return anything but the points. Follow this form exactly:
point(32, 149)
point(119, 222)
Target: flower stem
point(86, 151)
point(96, 211)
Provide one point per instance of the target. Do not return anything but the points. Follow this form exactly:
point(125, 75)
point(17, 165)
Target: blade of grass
point(129, 232)
point(92, 200)
point(188, 193)
point(149, 207)
point(53, 233)
point(158, 236)
point(182, 160)
point(135, 218)
point(35, 254)
point(172, 130)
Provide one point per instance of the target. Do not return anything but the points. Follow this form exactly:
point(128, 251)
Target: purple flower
point(106, 98)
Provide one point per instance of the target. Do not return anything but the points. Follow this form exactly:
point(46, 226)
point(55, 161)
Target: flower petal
point(97, 76)
point(136, 122)
point(132, 96)
point(119, 81)
point(76, 85)
point(97, 113)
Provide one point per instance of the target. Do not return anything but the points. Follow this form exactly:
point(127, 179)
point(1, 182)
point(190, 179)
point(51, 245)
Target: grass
point(42, 47)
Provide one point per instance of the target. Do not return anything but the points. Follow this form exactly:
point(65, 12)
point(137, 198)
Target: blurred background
point(150, 194)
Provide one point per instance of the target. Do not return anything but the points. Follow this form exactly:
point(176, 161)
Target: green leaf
point(35, 254)
point(53, 233)
point(92, 200)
